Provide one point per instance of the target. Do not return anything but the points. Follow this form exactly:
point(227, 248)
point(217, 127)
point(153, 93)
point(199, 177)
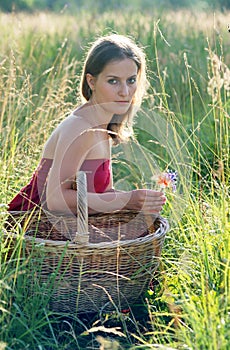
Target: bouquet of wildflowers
point(166, 180)
point(162, 181)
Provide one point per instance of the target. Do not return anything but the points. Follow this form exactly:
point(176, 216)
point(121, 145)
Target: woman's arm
point(70, 152)
point(148, 201)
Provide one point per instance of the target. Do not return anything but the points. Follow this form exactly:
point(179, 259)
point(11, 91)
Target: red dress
point(98, 173)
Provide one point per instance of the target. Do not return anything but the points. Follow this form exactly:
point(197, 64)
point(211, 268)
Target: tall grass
point(183, 125)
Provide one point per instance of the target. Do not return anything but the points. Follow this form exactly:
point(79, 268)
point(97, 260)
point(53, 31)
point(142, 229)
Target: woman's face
point(115, 86)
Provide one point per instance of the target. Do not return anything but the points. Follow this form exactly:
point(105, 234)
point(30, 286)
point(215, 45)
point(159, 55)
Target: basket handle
point(82, 234)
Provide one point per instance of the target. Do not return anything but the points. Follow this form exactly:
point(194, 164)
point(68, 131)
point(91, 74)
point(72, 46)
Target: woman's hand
point(148, 201)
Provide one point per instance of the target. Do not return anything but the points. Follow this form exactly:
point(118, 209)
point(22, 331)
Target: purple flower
point(167, 180)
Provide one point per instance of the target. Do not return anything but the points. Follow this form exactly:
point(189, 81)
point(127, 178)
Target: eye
point(112, 81)
point(132, 80)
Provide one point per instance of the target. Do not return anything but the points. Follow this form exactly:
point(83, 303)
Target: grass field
point(183, 125)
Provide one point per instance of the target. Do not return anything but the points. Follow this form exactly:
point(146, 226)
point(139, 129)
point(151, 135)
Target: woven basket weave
point(100, 262)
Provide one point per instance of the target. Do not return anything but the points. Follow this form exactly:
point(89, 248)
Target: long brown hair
point(109, 48)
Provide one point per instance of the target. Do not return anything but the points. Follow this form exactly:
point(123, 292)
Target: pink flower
point(166, 180)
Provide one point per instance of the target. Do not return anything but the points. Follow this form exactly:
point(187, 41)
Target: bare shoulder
point(73, 124)
point(73, 129)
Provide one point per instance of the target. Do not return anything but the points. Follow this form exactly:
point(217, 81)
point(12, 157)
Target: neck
point(99, 114)
point(95, 114)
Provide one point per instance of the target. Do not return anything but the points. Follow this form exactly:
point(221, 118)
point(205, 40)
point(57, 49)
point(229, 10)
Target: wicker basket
point(100, 262)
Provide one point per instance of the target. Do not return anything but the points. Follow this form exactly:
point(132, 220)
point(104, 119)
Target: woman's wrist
point(108, 201)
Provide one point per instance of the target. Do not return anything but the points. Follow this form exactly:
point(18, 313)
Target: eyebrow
point(114, 76)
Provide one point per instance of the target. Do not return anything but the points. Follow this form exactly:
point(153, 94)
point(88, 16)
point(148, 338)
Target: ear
point(91, 80)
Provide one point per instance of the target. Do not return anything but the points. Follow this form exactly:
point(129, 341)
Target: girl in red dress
point(112, 86)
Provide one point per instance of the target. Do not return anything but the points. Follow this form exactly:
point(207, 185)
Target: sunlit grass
point(183, 125)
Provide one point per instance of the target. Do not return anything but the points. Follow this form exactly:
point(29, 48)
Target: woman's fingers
point(154, 202)
point(147, 200)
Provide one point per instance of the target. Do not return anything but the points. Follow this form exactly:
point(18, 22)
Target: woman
point(112, 85)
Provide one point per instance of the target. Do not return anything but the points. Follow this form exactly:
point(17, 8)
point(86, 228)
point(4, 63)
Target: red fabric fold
point(98, 173)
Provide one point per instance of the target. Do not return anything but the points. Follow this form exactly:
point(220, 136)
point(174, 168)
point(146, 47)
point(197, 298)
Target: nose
point(124, 90)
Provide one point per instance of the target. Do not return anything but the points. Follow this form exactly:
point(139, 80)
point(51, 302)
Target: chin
point(121, 109)
point(114, 108)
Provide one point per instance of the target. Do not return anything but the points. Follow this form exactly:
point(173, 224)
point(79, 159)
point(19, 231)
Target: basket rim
point(156, 235)
point(67, 214)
